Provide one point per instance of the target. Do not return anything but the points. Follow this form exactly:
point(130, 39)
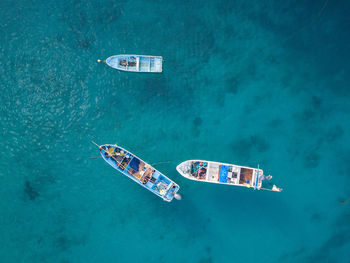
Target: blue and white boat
point(140, 172)
point(135, 63)
point(224, 173)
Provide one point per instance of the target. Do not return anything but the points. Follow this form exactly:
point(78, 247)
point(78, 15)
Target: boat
point(135, 63)
point(140, 171)
point(224, 173)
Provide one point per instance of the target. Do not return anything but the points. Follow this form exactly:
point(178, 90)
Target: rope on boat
point(160, 163)
point(312, 22)
point(96, 144)
point(272, 190)
point(96, 157)
point(318, 15)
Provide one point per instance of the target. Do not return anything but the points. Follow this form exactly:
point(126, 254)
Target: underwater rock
point(311, 159)
point(197, 121)
point(259, 143)
point(232, 85)
point(30, 191)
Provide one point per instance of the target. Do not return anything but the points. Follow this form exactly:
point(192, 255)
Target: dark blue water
point(245, 82)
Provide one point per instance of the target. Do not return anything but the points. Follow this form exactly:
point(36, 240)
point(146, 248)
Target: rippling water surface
point(244, 82)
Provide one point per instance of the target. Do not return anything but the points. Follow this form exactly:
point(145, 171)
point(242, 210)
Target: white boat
point(135, 63)
point(224, 173)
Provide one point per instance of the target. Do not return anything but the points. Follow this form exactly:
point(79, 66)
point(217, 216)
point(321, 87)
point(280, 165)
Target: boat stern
point(172, 193)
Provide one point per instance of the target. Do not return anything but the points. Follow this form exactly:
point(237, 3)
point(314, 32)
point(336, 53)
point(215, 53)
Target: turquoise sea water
point(245, 82)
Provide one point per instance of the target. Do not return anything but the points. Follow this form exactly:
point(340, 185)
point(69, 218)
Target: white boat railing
point(208, 172)
point(137, 63)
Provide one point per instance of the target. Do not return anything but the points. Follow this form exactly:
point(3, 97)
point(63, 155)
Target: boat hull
point(139, 171)
point(136, 63)
point(221, 173)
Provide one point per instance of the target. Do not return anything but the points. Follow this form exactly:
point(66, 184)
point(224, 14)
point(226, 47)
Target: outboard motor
point(177, 196)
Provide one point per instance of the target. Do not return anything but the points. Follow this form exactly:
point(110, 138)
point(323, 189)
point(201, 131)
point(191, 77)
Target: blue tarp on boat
point(223, 173)
point(134, 164)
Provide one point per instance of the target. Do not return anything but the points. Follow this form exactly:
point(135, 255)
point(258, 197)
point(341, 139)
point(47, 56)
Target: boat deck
point(139, 171)
point(223, 173)
point(135, 63)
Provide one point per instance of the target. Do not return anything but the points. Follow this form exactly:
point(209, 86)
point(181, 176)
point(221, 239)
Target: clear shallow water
point(243, 82)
